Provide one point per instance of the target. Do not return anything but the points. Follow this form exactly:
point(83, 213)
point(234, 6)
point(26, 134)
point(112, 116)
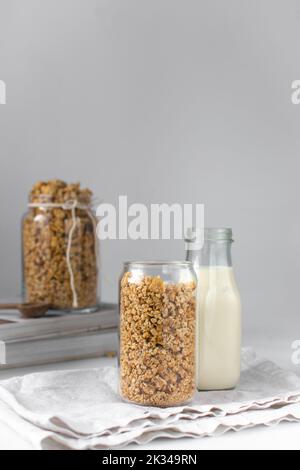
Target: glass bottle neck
point(213, 253)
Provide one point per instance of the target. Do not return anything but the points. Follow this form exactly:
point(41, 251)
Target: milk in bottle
point(218, 311)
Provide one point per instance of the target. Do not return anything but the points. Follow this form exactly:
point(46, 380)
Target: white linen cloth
point(81, 409)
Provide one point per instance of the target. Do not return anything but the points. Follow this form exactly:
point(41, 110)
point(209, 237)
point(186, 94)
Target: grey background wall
point(164, 101)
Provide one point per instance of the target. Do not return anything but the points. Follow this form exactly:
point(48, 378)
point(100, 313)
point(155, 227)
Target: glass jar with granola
point(157, 333)
point(60, 248)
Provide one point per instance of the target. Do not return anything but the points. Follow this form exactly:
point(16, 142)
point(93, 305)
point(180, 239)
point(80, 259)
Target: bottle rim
point(195, 235)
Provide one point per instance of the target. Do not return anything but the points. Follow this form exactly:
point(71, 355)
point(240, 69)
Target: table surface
point(283, 436)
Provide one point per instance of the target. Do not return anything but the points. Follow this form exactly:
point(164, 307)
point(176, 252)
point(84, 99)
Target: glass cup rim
point(158, 263)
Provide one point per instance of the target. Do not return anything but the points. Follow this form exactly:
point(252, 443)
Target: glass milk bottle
point(218, 310)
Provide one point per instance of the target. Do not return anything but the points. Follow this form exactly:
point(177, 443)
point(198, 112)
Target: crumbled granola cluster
point(58, 191)
point(45, 240)
point(157, 341)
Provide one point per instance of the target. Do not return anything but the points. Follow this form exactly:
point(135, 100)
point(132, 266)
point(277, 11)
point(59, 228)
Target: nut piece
point(157, 336)
point(45, 239)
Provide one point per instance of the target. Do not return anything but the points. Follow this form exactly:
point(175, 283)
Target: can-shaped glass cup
point(157, 332)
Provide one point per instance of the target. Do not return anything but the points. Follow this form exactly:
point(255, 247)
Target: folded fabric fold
point(81, 409)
